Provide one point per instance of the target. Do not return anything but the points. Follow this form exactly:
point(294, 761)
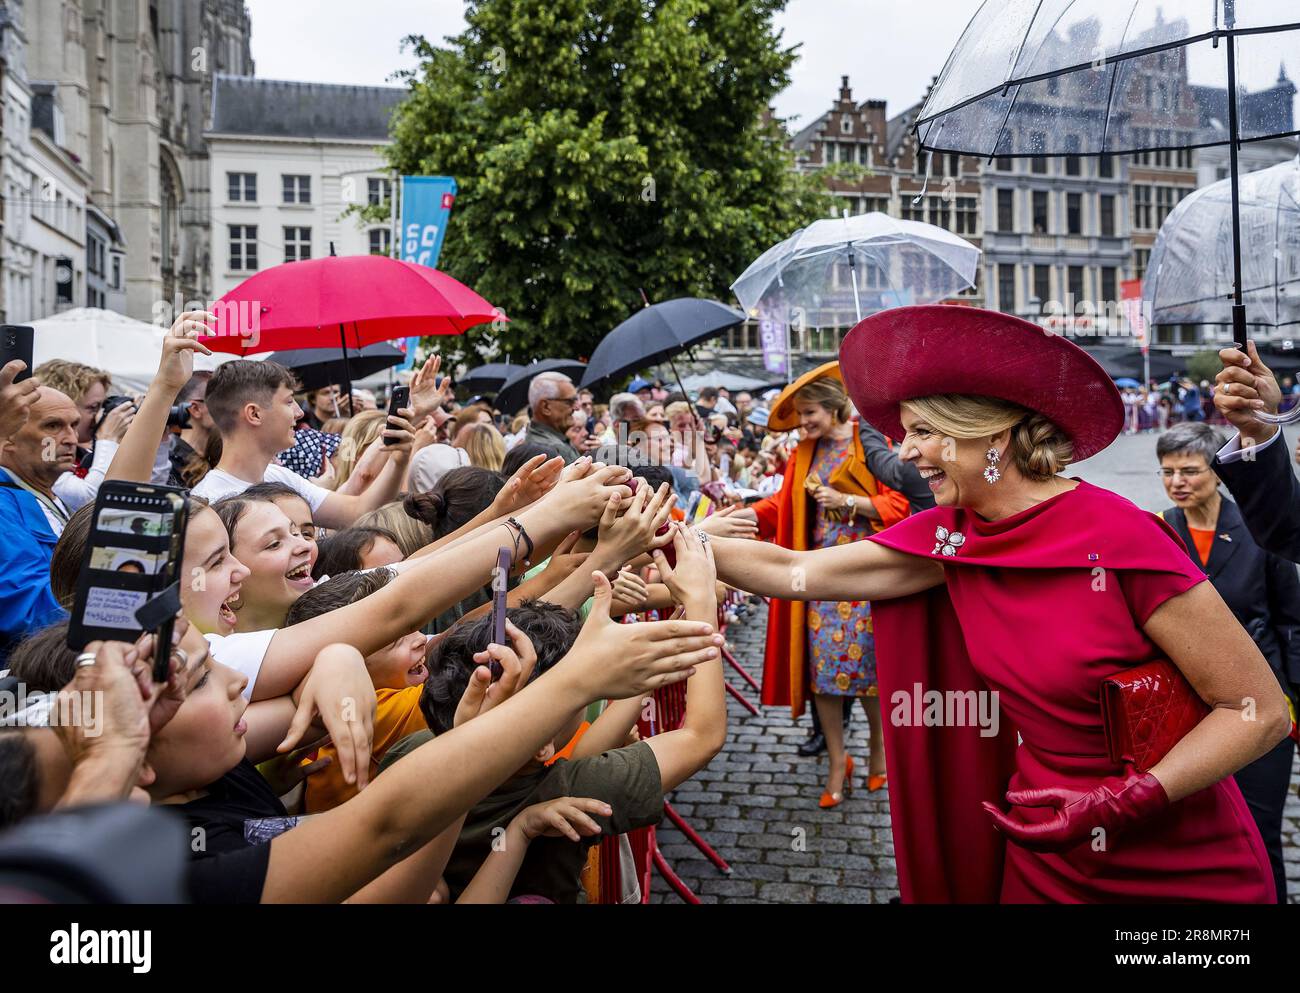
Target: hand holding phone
point(16, 342)
point(400, 399)
point(18, 391)
point(499, 576)
point(130, 569)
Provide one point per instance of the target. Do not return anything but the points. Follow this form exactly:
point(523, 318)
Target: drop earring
point(991, 471)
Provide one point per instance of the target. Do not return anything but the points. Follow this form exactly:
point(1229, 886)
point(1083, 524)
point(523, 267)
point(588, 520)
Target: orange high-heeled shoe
point(875, 783)
point(829, 799)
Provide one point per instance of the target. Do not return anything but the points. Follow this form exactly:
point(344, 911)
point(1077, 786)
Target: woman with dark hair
point(1262, 591)
point(65, 561)
point(277, 556)
point(356, 548)
point(459, 496)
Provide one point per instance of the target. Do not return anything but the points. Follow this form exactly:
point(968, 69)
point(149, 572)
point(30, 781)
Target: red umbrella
point(349, 300)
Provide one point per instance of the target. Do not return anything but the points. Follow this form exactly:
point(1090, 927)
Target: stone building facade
point(131, 82)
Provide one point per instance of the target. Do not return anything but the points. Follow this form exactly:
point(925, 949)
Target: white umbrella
point(885, 262)
point(125, 348)
point(1189, 278)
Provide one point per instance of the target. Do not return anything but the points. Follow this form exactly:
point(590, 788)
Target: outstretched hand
point(531, 481)
point(427, 393)
point(176, 365)
point(616, 661)
point(517, 661)
point(16, 399)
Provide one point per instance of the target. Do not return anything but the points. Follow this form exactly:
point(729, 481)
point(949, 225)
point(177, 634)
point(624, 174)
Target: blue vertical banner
point(426, 205)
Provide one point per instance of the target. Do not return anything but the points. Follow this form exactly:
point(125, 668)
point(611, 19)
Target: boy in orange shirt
point(397, 670)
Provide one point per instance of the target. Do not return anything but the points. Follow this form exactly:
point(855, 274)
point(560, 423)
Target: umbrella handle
point(1290, 417)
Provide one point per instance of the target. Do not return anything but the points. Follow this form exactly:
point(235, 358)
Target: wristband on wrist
point(528, 542)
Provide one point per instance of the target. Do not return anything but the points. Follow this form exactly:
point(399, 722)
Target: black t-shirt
point(226, 866)
point(628, 779)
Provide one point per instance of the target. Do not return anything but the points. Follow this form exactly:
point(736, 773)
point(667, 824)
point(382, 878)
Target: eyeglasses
point(1191, 475)
point(567, 401)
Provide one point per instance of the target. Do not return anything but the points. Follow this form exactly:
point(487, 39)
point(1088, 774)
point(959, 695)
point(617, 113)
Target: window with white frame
point(297, 189)
point(241, 187)
point(846, 124)
point(966, 215)
point(1167, 198)
point(378, 191)
point(1143, 209)
point(297, 244)
point(381, 241)
point(243, 247)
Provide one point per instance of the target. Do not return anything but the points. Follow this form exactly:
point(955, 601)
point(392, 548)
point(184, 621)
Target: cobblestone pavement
point(756, 803)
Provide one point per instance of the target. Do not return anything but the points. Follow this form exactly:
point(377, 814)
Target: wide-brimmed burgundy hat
point(912, 352)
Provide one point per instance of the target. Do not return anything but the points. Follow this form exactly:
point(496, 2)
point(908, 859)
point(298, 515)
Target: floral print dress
point(841, 645)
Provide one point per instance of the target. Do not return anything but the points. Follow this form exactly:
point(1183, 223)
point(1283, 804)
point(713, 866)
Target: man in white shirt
point(1255, 465)
point(252, 405)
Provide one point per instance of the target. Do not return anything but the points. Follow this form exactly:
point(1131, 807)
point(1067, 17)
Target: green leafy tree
point(1203, 365)
point(603, 148)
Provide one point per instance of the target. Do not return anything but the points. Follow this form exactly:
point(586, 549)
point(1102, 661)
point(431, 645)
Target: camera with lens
point(108, 406)
point(178, 417)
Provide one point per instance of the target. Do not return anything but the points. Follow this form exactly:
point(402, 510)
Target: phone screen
point(133, 554)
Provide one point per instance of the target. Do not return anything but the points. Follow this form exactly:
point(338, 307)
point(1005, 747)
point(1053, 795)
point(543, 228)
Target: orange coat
point(788, 519)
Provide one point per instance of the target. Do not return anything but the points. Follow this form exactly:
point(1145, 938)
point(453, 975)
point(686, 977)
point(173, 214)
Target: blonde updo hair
point(1038, 449)
point(829, 393)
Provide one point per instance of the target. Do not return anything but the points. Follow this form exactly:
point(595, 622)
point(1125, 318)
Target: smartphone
point(499, 583)
point(16, 343)
point(130, 568)
point(401, 398)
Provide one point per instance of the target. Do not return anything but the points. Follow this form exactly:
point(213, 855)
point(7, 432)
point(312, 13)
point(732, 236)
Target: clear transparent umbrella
point(858, 265)
point(1189, 276)
point(1100, 77)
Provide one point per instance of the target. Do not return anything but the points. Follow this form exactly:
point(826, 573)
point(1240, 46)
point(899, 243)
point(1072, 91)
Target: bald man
point(31, 517)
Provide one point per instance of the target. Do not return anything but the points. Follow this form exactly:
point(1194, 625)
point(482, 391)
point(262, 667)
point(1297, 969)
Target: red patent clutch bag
point(1147, 710)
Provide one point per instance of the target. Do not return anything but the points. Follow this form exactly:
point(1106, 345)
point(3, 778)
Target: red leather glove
point(1113, 805)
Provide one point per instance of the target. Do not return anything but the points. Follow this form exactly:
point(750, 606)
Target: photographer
point(195, 428)
point(100, 427)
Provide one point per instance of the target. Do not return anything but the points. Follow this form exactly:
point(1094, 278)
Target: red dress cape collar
point(945, 847)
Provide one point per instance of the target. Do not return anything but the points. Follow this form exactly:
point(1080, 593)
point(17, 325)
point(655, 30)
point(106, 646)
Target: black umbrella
point(1071, 78)
point(487, 378)
point(320, 367)
point(513, 394)
point(656, 334)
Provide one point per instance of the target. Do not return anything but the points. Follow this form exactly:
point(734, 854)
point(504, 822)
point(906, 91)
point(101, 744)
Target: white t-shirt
point(217, 484)
point(75, 491)
point(244, 652)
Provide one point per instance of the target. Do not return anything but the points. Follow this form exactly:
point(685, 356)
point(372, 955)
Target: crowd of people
point(339, 571)
point(347, 718)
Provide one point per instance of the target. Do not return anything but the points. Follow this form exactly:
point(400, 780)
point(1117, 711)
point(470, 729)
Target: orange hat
point(783, 416)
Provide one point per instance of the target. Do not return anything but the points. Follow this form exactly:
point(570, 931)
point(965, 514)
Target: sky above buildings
point(890, 49)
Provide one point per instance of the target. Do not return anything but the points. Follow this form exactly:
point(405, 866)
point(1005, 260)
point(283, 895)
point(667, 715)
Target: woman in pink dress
point(999, 613)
